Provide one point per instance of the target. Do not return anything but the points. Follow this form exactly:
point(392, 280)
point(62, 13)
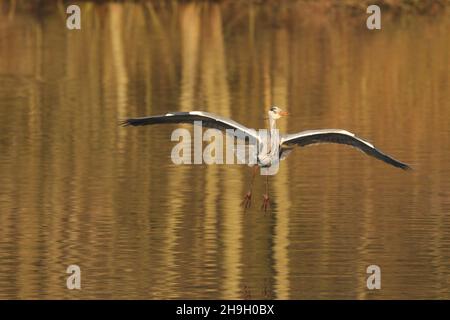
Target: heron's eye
point(273, 109)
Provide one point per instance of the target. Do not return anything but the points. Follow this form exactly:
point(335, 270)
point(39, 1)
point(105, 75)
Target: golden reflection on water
point(79, 189)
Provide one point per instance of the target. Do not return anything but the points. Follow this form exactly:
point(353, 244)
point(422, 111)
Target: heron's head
point(276, 113)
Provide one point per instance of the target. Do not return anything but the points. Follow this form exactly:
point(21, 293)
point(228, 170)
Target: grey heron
point(286, 142)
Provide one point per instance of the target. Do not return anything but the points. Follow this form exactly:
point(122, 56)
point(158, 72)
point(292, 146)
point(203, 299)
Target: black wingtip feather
point(405, 167)
point(124, 122)
point(396, 163)
point(132, 122)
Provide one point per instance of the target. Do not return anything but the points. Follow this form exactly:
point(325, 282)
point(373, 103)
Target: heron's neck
point(272, 135)
point(272, 123)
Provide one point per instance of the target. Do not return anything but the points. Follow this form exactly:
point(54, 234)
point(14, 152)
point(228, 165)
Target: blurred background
point(75, 188)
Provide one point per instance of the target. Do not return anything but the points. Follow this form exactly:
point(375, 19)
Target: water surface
point(78, 189)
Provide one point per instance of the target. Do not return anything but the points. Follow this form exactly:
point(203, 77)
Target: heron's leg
point(266, 201)
point(248, 196)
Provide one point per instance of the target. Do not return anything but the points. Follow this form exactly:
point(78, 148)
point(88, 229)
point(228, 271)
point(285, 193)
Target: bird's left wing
point(337, 136)
point(209, 120)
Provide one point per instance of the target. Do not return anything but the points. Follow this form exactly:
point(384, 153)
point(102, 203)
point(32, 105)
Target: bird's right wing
point(337, 136)
point(208, 120)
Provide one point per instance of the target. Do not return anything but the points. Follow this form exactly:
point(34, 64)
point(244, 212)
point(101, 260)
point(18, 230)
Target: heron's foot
point(266, 203)
point(247, 200)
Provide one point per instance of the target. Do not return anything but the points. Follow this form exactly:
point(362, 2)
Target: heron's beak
point(284, 113)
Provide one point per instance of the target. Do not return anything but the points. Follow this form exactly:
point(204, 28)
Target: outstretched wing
point(208, 120)
point(337, 136)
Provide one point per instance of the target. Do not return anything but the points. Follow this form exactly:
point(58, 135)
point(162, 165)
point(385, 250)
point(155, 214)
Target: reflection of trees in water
point(137, 59)
point(262, 290)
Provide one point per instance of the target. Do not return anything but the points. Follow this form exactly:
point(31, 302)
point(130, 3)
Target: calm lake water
point(76, 188)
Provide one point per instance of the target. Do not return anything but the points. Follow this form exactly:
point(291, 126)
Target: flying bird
point(266, 157)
